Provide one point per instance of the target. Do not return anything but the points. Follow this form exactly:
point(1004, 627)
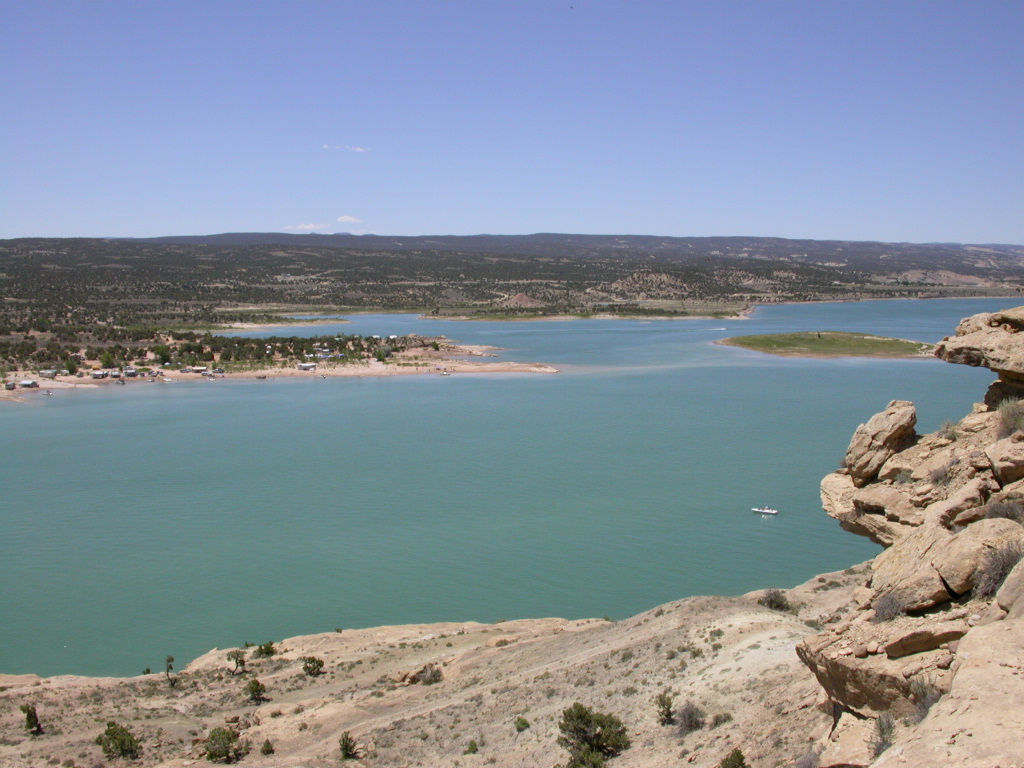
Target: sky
point(871, 120)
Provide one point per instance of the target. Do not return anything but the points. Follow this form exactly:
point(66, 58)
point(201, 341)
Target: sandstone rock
point(971, 495)
point(837, 492)
point(989, 340)
point(905, 568)
point(979, 722)
point(959, 559)
point(883, 435)
point(1007, 457)
point(849, 745)
point(925, 638)
point(1010, 596)
point(889, 501)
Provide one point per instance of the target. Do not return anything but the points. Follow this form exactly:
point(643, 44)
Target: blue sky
point(852, 120)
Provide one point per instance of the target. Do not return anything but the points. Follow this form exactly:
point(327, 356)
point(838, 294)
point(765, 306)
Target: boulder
point(971, 495)
point(925, 638)
point(905, 569)
point(849, 745)
point(1010, 596)
point(883, 435)
point(1007, 457)
point(959, 559)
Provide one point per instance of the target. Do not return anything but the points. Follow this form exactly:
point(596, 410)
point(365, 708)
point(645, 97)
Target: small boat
point(445, 373)
point(764, 510)
point(262, 376)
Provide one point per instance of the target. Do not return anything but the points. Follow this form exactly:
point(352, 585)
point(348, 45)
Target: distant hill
point(982, 259)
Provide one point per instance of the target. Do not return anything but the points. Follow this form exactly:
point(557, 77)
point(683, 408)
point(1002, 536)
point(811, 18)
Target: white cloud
point(348, 219)
point(358, 149)
point(304, 227)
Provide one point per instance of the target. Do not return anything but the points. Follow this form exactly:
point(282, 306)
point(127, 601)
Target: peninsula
point(912, 659)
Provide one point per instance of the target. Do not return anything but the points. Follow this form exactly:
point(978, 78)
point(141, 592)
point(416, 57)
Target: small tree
point(32, 724)
point(118, 741)
point(267, 748)
point(224, 746)
point(734, 759)
point(521, 724)
point(312, 666)
point(168, 667)
point(255, 691)
point(237, 656)
point(349, 748)
point(774, 599)
point(590, 736)
point(264, 650)
point(663, 701)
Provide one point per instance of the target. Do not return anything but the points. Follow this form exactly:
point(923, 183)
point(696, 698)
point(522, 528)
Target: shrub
point(267, 748)
point(888, 607)
point(224, 746)
point(774, 599)
point(118, 741)
point(721, 719)
point(734, 759)
point(349, 748)
point(1007, 509)
point(997, 566)
point(472, 748)
point(925, 694)
point(948, 431)
point(882, 740)
point(265, 650)
point(590, 736)
point(521, 724)
point(255, 691)
point(312, 666)
point(691, 718)
point(942, 474)
point(663, 702)
point(168, 666)
point(1011, 416)
point(32, 724)
point(808, 759)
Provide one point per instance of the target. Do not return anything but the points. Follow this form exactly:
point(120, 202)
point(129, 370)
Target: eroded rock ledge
point(929, 624)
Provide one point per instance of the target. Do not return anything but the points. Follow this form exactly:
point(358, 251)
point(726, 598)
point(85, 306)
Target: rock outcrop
point(932, 622)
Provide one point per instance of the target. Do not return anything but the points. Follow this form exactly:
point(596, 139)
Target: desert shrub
point(884, 730)
point(734, 759)
point(472, 748)
point(349, 748)
point(1007, 509)
point(808, 759)
point(774, 599)
point(925, 694)
point(223, 745)
point(996, 567)
point(32, 724)
point(312, 666)
point(590, 736)
point(663, 702)
point(118, 741)
point(721, 719)
point(521, 724)
point(255, 691)
point(948, 431)
point(1011, 416)
point(691, 718)
point(888, 607)
point(267, 748)
point(264, 650)
point(942, 474)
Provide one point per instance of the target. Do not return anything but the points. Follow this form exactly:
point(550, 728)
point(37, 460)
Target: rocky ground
point(913, 659)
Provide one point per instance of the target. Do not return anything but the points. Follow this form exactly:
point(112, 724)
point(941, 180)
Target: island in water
point(830, 344)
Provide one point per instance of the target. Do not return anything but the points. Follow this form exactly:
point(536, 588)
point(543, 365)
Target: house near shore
point(100, 374)
point(28, 384)
point(49, 373)
point(306, 366)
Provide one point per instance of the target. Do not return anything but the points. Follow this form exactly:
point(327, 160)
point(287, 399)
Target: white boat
point(764, 510)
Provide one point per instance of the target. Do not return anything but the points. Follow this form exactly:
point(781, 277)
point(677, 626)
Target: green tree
point(264, 650)
point(168, 668)
point(32, 724)
point(118, 741)
point(224, 746)
point(590, 737)
point(521, 724)
point(237, 656)
point(107, 359)
point(349, 748)
point(255, 691)
point(734, 759)
point(312, 666)
point(664, 701)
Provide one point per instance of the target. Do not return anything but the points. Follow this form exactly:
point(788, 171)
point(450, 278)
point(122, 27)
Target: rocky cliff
point(932, 658)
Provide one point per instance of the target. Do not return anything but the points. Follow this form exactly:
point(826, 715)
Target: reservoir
point(142, 521)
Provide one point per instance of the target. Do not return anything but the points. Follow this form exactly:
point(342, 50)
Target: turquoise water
point(142, 521)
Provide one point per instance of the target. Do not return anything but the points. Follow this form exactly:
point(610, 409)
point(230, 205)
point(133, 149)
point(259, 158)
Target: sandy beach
point(450, 360)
